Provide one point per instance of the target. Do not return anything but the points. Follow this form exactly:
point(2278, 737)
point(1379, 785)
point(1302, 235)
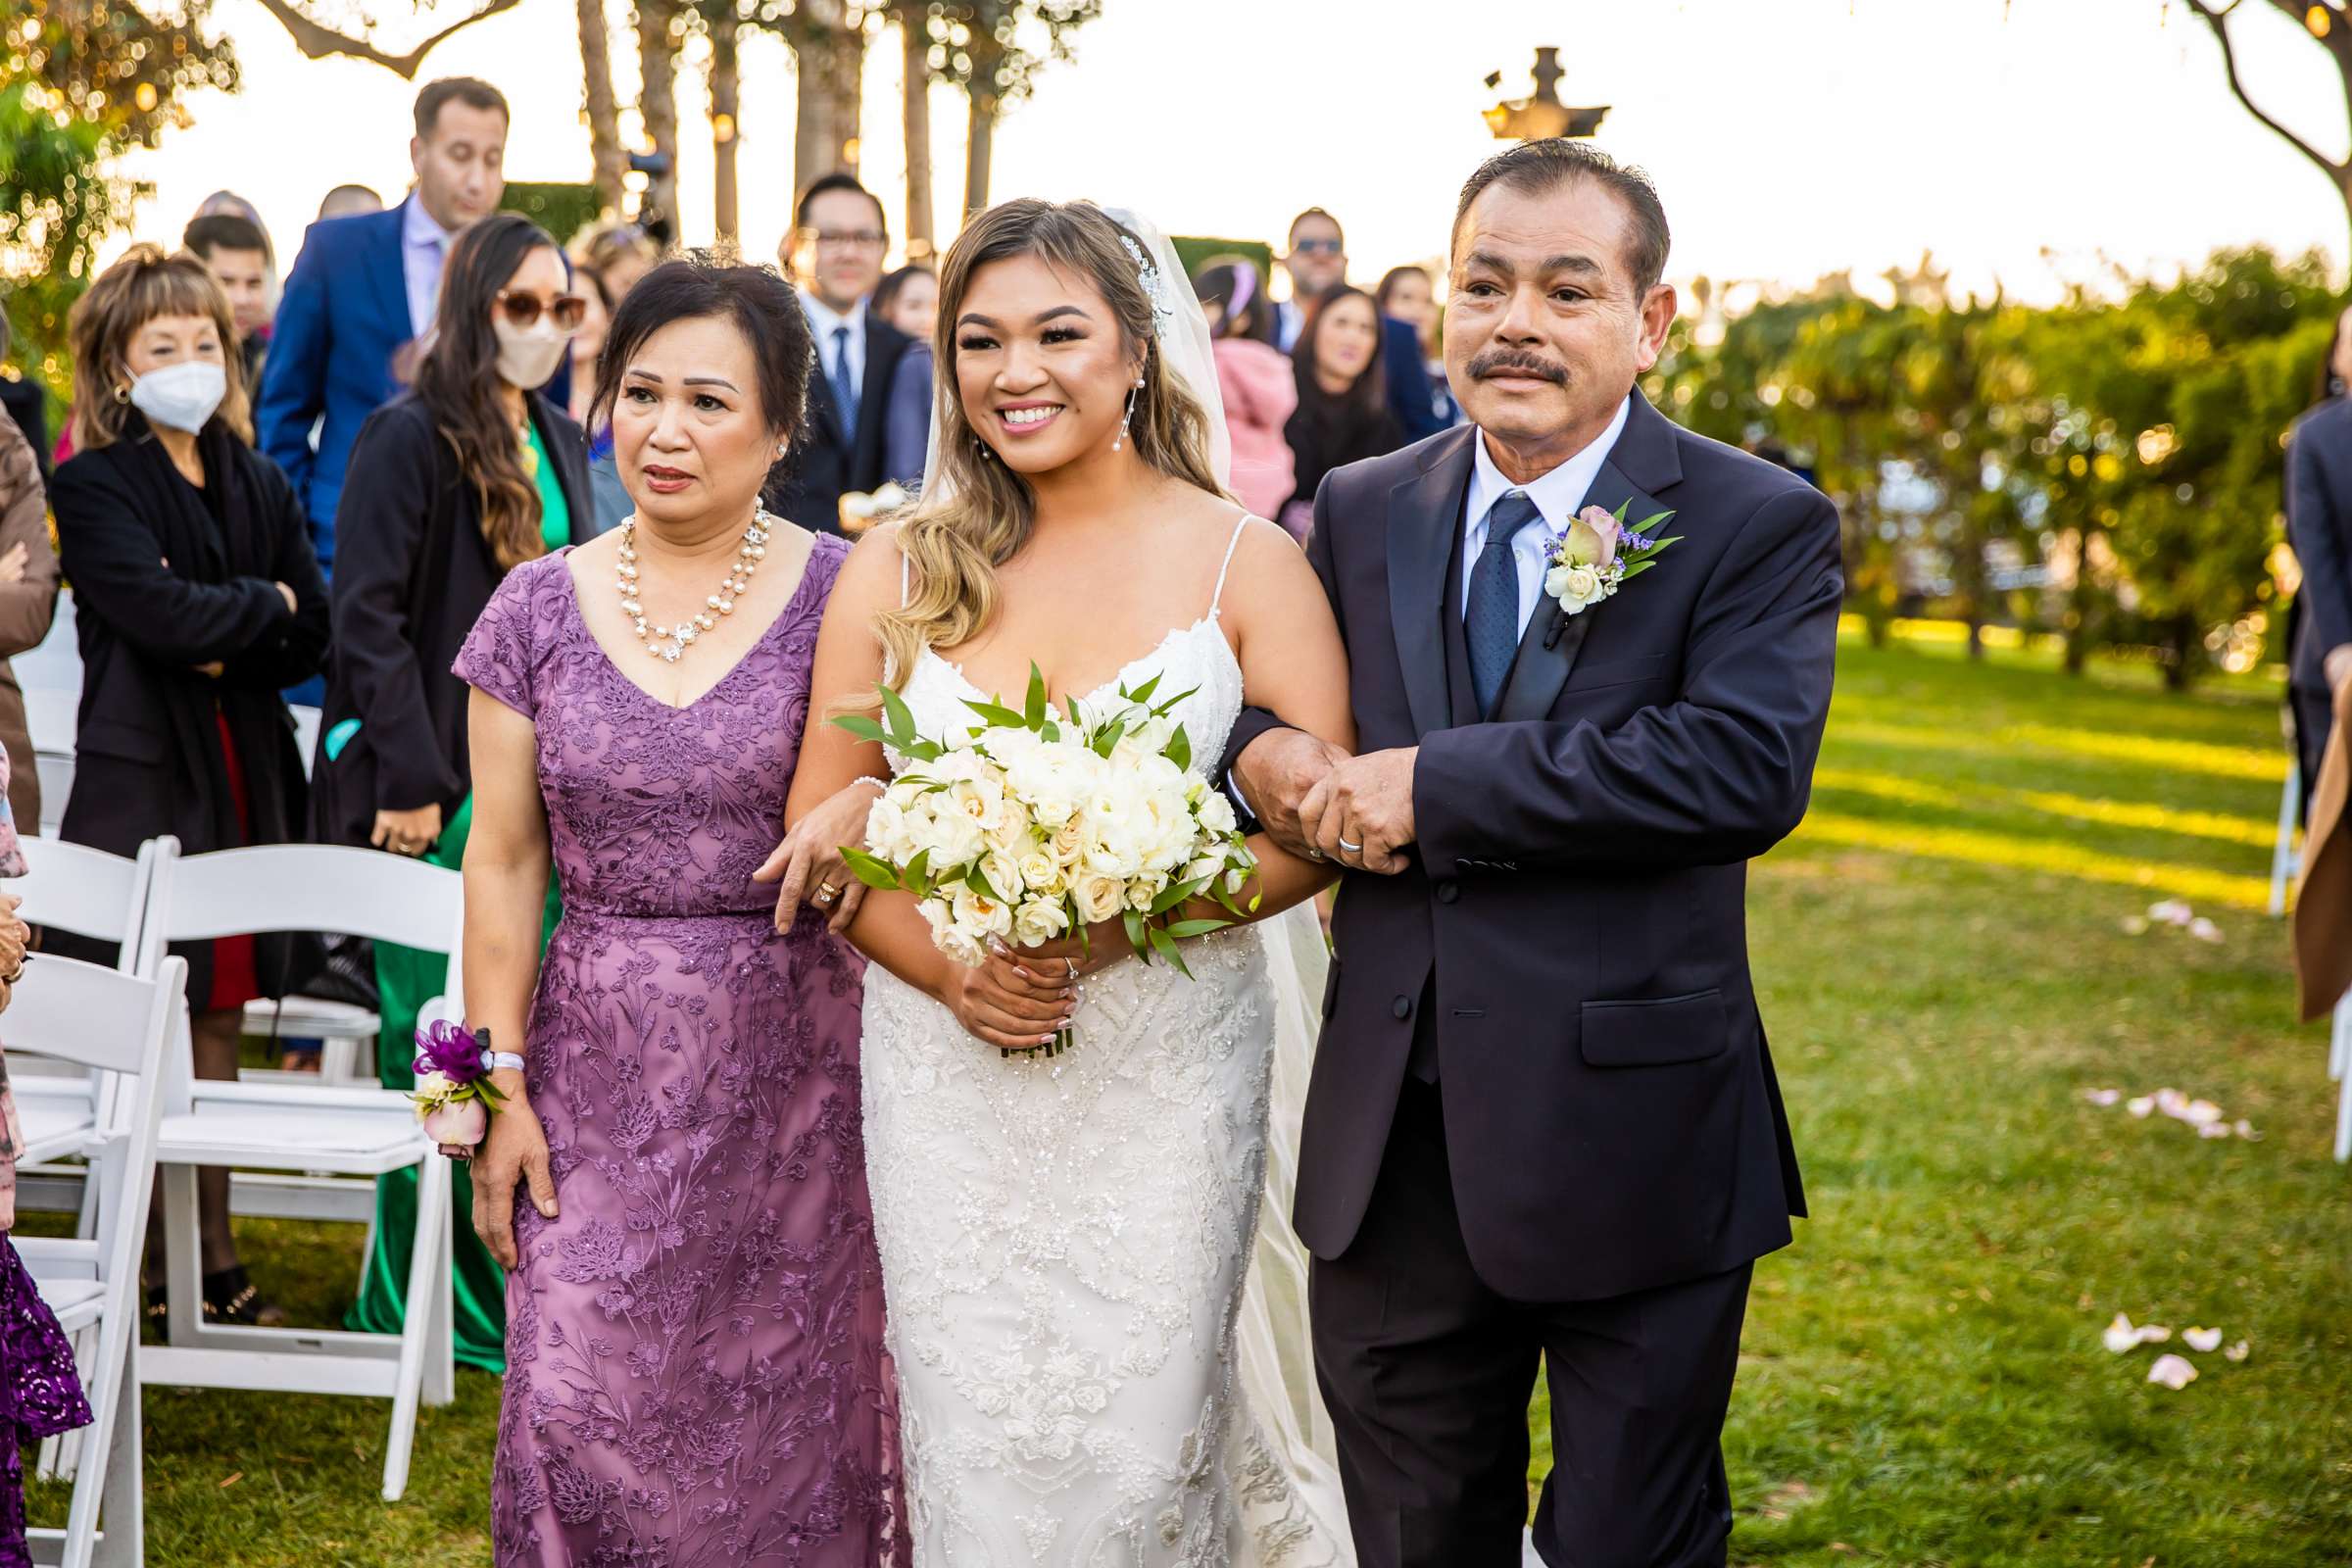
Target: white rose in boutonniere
point(1587, 560)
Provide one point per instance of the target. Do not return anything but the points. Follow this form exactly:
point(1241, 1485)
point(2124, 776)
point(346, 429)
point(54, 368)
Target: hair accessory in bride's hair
point(1155, 287)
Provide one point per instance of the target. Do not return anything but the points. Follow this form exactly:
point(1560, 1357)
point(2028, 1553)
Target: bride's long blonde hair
point(975, 513)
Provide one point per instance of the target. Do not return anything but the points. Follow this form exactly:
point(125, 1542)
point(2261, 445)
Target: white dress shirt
point(423, 252)
point(1558, 495)
point(1288, 318)
point(823, 322)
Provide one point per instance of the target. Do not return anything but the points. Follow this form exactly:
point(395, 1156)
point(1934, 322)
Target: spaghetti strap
point(1231, 545)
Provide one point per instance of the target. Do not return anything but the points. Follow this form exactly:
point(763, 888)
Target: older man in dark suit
point(2319, 526)
point(833, 253)
point(1544, 1127)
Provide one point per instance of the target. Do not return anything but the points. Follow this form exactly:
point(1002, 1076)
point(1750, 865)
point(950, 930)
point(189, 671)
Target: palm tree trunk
point(980, 138)
point(727, 80)
point(598, 104)
point(915, 40)
point(657, 64)
point(831, 55)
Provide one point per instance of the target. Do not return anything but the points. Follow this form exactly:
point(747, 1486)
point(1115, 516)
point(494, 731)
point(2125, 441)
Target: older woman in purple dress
point(675, 1180)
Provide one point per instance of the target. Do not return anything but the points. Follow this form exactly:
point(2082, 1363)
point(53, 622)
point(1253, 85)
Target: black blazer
point(2319, 526)
point(167, 578)
point(824, 464)
point(411, 575)
point(1571, 933)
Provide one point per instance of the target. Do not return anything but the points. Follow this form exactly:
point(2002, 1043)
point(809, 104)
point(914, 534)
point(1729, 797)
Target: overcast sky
point(2017, 142)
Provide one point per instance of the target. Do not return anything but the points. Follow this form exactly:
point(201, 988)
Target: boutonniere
point(1590, 559)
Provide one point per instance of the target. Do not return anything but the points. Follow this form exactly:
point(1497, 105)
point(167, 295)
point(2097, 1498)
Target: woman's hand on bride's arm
point(1005, 1003)
point(811, 864)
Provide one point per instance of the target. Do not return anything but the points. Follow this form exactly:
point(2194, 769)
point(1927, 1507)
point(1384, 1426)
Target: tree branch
point(2218, 20)
point(317, 40)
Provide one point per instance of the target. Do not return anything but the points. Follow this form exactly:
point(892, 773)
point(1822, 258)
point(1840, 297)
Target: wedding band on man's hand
point(1351, 849)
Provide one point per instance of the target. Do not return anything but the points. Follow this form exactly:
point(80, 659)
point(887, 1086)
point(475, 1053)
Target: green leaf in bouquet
point(1142, 693)
point(1185, 930)
point(1036, 716)
point(1180, 748)
point(1173, 702)
point(1165, 945)
point(870, 869)
point(923, 751)
point(998, 715)
point(1108, 741)
point(1638, 566)
point(1051, 732)
point(918, 876)
point(863, 726)
point(1176, 893)
point(897, 716)
point(977, 880)
point(1136, 934)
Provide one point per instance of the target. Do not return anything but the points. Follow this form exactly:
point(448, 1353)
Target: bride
point(1065, 1238)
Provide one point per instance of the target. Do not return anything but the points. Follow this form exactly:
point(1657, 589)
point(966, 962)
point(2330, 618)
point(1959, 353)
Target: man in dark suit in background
point(2319, 526)
point(833, 253)
point(364, 287)
point(1543, 1127)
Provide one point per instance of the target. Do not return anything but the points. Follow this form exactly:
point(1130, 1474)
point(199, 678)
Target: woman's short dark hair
point(1535, 167)
point(1394, 277)
point(886, 292)
point(1238, 286)
point(762, 307)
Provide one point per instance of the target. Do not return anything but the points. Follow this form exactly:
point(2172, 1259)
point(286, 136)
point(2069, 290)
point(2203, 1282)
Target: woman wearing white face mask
point(198, 600)
point(450, 487)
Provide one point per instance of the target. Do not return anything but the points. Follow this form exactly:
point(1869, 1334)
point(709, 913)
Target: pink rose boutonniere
point(1594, 555)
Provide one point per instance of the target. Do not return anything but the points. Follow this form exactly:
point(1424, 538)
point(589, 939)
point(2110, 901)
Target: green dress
point(406, 980)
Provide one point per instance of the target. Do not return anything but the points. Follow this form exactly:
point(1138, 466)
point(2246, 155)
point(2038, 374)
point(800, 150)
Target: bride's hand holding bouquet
point(1038, 837)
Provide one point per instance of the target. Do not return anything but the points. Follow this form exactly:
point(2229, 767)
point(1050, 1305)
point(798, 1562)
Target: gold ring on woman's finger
point(826, 892)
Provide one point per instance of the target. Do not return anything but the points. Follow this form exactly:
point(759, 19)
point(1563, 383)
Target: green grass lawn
point(1944, 971)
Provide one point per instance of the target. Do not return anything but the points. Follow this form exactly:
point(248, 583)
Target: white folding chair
point(2285, 863)
point(305, 1132)
point(51, 719)
point(90, 892)
point(105, 1022)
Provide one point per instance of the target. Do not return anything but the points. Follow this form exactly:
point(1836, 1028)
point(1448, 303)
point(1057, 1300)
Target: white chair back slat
point(87, 892)
point(96, 1023)
point(308, 887)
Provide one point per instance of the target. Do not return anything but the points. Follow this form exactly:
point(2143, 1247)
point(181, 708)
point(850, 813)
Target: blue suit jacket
point(1411, 396)
point(341, 323)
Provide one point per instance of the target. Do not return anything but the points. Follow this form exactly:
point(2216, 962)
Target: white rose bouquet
point(1034, 823)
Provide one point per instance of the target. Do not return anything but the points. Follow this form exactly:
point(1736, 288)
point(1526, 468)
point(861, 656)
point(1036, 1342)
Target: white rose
point(1574, 587)
point(1216, 815)
point(1098, 896)
point(432, 1088)
point(886, 832)
point(978, 915)
point(1039, 921)
point(1068, 842)
point(1041, 870)
point(1003, 873)
point(948, 936)
point(1145, 890)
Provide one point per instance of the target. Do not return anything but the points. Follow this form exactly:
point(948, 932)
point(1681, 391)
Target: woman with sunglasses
point(451, 486)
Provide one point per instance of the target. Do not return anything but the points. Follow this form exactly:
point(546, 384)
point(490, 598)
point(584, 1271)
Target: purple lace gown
point(695, 1371)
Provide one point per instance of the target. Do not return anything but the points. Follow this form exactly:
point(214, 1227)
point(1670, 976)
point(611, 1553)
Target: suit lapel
point(1548, 649)
point(885, 345)
point(1423, 513)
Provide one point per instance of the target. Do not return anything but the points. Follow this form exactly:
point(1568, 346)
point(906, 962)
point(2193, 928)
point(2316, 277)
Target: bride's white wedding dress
point(1065, 1240)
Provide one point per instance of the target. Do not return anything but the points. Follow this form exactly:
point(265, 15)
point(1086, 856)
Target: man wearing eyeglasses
point(835, 254)
point(1318, 264)
point(363, 288)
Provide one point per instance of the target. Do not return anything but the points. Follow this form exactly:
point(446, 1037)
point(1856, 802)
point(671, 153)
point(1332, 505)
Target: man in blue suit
point(363, 289)
point(1318, 264)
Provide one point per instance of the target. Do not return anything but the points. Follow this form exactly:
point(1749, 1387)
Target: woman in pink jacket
point(1259, 388)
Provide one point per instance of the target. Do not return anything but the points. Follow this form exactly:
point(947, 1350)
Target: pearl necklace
point(668, 642)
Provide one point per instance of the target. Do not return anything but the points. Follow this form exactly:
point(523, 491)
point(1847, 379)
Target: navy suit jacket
point(1571, 930)
point(1411, 396)
point(341, 324)
point(2318, 524)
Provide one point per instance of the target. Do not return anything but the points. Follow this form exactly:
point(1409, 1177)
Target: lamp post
point(1543, 115)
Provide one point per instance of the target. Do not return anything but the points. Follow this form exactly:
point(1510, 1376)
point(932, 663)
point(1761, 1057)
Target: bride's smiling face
point(1042, 367)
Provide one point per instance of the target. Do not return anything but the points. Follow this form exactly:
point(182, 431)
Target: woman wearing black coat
point(450, 488)
point(198, 599)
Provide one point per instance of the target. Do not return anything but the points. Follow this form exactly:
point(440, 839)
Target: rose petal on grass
point(2139, 1104)
point(2171, 1101)
point(2135, 925)
point(2201, 1112)
point(2202, 1341)
point(2245, 1130)
point(2173, 1371)
point(2204, 930)
point(2239, 1351)
point(2214, 1129)
point(2102, 1096)
point(2171, 911)
point(2119, 1336)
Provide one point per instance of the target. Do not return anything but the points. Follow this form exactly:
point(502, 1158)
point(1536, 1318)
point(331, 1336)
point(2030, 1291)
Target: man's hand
point(1361, 813)
point(2338, 666)
point(1275, 772)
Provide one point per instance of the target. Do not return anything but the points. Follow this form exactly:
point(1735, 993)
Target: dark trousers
point(2315, 716)
point(1427, 1374)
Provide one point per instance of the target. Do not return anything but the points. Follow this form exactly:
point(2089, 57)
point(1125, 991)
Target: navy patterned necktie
point(1491, 625)
point(844, 390)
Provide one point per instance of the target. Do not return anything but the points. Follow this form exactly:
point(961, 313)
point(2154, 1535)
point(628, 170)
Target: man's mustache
point(1501, 361)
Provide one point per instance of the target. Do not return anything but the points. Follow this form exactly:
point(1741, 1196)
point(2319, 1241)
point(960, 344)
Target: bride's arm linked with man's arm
point(1715, 776)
